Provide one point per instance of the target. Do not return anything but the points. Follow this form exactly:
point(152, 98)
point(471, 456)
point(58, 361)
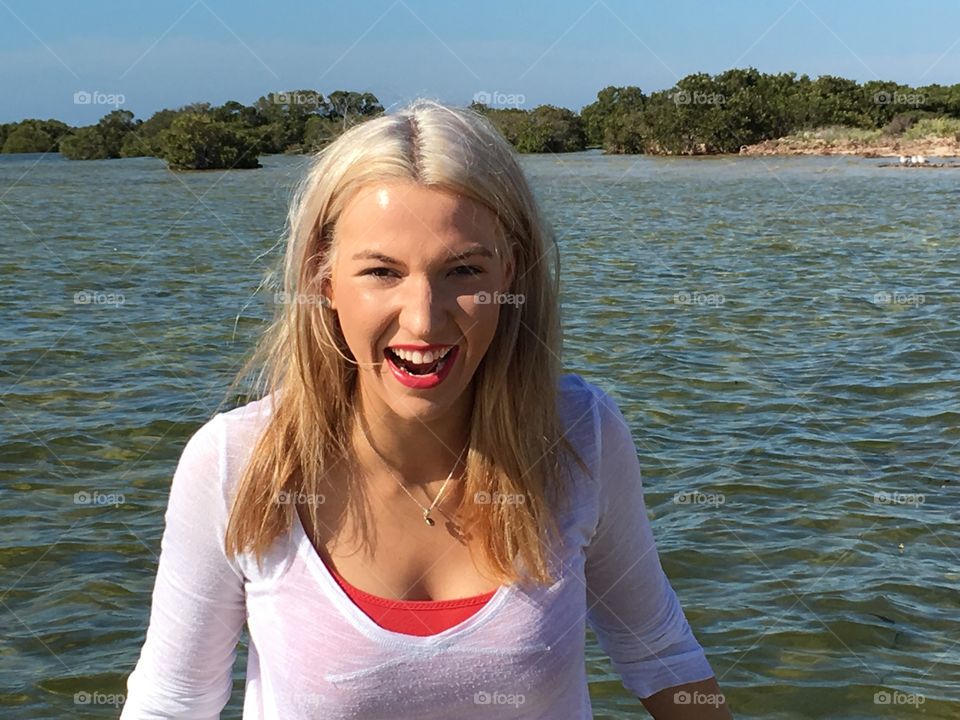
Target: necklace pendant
point(427, 519)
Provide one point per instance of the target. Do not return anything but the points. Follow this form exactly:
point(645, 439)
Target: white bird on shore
point(921, 160)
point(913, 159)
point(903, 159)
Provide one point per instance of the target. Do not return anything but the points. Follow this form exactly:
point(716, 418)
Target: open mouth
point(407, 365)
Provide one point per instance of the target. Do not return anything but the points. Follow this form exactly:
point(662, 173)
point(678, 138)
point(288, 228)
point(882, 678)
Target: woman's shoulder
point(244, 422)
point(241, 427)
point(581, 405)
point(251, 411)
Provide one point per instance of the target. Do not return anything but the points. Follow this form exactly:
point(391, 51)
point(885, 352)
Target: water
point(782, 335)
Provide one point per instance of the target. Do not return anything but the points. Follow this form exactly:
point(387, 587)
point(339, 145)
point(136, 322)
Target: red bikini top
point(413, 617)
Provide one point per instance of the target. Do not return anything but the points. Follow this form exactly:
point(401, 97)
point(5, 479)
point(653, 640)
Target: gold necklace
point(426, 510)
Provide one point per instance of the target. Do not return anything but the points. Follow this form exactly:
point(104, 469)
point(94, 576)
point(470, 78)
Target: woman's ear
point(326, 294)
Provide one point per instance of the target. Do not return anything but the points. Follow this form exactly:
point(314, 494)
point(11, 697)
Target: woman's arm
point(701, 700)
point(198, 606)
point(631, 605)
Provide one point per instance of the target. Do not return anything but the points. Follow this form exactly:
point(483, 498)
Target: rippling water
point(782, 334)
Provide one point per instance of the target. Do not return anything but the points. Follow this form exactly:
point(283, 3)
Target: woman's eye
point(471, 271)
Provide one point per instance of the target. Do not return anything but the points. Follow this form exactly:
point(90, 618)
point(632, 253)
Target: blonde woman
point(421, 515)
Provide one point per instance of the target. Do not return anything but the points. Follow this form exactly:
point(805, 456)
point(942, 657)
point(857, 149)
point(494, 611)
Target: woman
point(421, 516)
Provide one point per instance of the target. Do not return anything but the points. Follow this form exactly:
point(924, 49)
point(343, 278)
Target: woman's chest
point(398, 556)
point(517, 652)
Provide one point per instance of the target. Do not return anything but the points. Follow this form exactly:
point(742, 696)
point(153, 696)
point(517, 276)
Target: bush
point(318, 132)
point(103, 140)
point(551, 129)
point(196, 141)
point(33, 136)
point(933, 127)
point(145, 140)
point(899, 124)
point(86, 143)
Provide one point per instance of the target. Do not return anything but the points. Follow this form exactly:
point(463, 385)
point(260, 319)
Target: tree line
point(706, 114)
point(201, 136)
point(701, 114)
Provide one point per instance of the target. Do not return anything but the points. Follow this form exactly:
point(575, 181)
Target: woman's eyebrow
point(477, 250)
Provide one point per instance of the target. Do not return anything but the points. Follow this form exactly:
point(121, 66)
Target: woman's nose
point(423, 306)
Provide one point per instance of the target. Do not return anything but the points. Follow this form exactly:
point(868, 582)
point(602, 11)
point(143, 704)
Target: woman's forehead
point(417, 213)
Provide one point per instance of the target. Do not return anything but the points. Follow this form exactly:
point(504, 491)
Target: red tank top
point(413, 617)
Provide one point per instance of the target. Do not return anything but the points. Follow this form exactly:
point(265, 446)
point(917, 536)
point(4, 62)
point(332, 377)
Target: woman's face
point(396, 282)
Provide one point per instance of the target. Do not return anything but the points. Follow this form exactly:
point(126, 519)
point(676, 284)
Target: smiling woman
point(422, 381)
point(407, 309)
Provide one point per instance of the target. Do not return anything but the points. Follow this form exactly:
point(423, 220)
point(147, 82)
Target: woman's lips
point(422, 382)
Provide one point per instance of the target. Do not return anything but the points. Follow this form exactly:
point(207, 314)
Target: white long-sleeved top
point(314, 654)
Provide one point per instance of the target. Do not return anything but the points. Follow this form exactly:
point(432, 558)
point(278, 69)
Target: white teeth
point(418, 357)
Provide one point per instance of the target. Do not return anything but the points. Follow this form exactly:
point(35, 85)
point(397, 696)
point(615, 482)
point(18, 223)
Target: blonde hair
point(515, 442)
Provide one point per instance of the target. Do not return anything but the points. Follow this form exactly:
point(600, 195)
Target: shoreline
point(938, 147)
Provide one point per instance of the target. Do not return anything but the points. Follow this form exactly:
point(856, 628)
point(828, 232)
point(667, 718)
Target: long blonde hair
point(516, 443)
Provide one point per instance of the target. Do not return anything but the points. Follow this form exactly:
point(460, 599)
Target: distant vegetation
point(701, 114)
point(201, 136)
point(704, 114)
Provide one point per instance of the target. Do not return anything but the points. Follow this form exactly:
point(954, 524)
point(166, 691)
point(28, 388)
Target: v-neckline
point(365, 624)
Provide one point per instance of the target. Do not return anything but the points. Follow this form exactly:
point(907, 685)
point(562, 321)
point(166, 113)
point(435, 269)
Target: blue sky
point(166, 54)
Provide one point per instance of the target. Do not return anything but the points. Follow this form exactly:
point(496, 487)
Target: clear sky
point(171, 52)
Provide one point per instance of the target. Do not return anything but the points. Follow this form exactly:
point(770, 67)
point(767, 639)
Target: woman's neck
point(415, 452)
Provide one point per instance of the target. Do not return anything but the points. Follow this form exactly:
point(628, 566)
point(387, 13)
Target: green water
point(782, 334)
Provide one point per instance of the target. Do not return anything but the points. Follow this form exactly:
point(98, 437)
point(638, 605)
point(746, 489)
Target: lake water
point(783, 335)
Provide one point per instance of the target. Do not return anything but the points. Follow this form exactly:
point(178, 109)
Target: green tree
point(113, 128)
point(552, 129)
point(509, 122)
point(34, 136)
point(626, 133)
point(28, 139)
point(350, 108)
point(85, 143)
point(839, 101)
point(196, 141)
point(144, 140)
point(236, 112)
point(103, 140)
point(283, 117)
point(319, 132)
point(611, 105)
